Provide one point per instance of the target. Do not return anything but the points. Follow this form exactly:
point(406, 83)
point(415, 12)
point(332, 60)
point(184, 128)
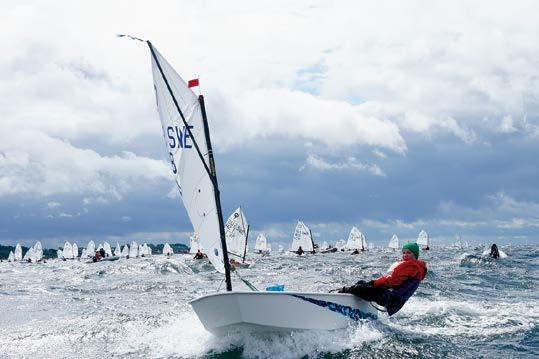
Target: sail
point(302, 237)
point(90, 249)
point(236, 232)
point(194, 244)
point(194, 183)
point(167, 250)
point(38, 251)
point(340, 244)
point(145, 251)
point(68, 251)
point(11, 257)
point(261, 243)
point(75, 250)
point(423, 239)
point(133, 251)
point(29, 255)
point(364, 242)
point(108, 249)
point(394, 242)
point(60, 254)
point(354, 239)
point(117, 250)
point(18, 252)
point(125, 251)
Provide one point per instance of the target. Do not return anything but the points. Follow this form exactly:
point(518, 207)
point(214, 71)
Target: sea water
point(468, 306)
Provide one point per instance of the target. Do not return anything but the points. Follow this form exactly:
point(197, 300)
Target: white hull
point(226, 312)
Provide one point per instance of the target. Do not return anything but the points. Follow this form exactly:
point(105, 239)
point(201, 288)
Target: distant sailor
point(494, 252)
point(356, 251)
point(300, 251)
point(397, 286)
point(199, 255)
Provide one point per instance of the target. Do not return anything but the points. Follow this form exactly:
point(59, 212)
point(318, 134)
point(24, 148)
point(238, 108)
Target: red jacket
point(401, 271)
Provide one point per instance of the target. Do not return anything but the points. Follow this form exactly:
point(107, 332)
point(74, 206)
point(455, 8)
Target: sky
point(391, 117)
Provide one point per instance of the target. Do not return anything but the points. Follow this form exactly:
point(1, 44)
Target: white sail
point(83, 253)
point(18, 252)
point(194, 244)
point(117, 250)
point(75, 250)
point(29, 255)
point(364, 245)
point(125, 251)
point(145, 252)
point(195, 185)
point(149, 251)
point(423, 239)
point(167, 250)
point(68, 251)
point(108, 249)
point(90, 249)
point(60, 254)
point(261, 243)
point(340, 244)
point(302, 238)
point(133, 250)
point(38, 251)
point(11, 257)
point(354, 239)
point(236, 232)
point(394, 242)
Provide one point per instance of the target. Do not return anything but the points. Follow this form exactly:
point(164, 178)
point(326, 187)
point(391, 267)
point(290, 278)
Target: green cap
point(413, 247)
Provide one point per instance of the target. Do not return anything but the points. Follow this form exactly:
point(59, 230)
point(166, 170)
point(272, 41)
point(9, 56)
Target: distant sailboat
point(125, 252)
point(90, 249)
point(18, 253)
point(355, 240)
point(133, 250)
point(194, 244)
point(108, 249)
point(261, 244)
point(38, 252)
point(237, 234)
point(423, 240)
point(394, 242)
point(11, 257)
point(167, 250)
point(117, 250)
point(186, 133)
point(302, 238)
point(68, 251)
point(75, 250)
point(60, 254)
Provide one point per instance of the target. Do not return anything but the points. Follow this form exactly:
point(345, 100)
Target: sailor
point(397, 286)
point(234, 262)
point(356, 251)
point(97, 256)
point(199, 255)
point(300, 251)
point(494, 253)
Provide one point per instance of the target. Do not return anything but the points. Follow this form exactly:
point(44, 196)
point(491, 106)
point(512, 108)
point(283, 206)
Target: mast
point(210, 171)
point(245, 248)
point(216, 193)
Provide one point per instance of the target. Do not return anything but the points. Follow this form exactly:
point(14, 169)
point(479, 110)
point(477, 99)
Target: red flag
point(192, 83)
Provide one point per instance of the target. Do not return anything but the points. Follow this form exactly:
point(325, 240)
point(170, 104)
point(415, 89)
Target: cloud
point(351, 163)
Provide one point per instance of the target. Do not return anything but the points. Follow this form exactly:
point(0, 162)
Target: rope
point(246, 282)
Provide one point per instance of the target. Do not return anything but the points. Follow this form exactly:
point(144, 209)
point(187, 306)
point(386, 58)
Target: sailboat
point(194, 244)
point(303, 238)
point(11, 257)
point(187, 139)
point(261, 245)
point(236, 234)
point(423, 240)
point(355, 240)
point(18, 253)
point(393, 242)
point(167, 250)
point(75, 250)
